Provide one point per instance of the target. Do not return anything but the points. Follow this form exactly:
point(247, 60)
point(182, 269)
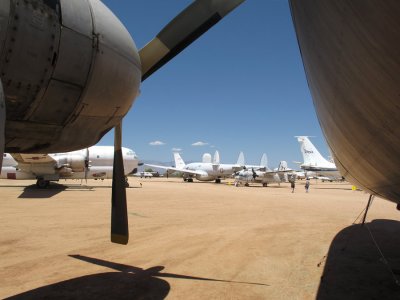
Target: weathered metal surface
point(351, 55)
point(70, 70)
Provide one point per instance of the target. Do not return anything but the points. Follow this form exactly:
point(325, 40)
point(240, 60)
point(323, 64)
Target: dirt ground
point(197, 241)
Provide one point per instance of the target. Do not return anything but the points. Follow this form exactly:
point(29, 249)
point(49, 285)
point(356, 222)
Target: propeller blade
point(119, 212)
point(184, 29)
point(2, 124)
point(254, 173)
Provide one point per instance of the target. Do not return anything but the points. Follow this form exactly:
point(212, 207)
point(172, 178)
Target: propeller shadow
point(129, 282)
point(354, 267)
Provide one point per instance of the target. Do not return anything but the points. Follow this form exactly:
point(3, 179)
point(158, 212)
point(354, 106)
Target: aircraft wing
point(266, 174)
point(32, 158)
point(185, 171)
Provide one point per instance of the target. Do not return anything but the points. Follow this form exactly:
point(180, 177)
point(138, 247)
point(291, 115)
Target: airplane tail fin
point(179, 163)
point(310, 154)
point(240, 160)
point(216, 160)
point(264, 161)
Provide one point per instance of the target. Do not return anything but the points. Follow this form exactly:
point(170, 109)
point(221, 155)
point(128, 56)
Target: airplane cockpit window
point(5, 155)
point(130, 153)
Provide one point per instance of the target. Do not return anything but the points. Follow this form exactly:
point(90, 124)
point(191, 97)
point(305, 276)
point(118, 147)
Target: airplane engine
point(76, 163)
point(352, 64)
point(204, 177)
point(70, 72)
point(65, 172)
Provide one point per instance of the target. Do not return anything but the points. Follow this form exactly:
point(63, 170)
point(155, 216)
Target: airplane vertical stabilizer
point(179, 163)
point(311, 155)
point(216, 160)
point(264, 161)
point(240, 160)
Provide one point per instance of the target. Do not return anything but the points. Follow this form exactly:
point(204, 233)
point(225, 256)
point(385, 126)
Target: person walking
point(292, 185)
point(307, 185)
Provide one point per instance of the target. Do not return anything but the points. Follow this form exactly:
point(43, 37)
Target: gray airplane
point(204, 171)
point(350, 52)
point(70, 72)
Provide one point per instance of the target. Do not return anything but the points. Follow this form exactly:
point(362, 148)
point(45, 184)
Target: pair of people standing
point(306, 186)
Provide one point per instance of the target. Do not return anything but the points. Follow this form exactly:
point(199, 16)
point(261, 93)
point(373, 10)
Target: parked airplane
point(84, 75)
point(203, 171)
point(250, 175)
point(263, 166)
point(92, 163)
point(143, 174)
point(315, 162)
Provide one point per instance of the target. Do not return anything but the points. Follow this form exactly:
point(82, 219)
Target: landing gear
point(126, 182)
point(218, 180)
point(190, 180)
point(42, 184)
point(185, 179)
point(265, 184)
point(246, 184)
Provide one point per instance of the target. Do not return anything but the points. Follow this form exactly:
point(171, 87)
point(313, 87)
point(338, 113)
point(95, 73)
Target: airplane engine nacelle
point(70, 72)
point(204, 177)
point(76, 163)
point(66, 172)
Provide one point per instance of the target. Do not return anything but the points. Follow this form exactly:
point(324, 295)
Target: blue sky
point(240, 87)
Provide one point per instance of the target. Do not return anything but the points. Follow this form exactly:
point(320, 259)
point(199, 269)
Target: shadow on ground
point(33, 192)
point(354, 268)
point(128, 283)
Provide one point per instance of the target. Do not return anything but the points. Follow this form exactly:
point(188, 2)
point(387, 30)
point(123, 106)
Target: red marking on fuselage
point(11, 176)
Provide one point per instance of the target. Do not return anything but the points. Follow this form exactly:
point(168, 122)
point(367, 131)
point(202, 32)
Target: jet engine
point(204, 177)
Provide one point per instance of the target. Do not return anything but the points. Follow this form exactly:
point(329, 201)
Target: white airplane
point(143, 174)
point(250, 175)
point(315, 162)
point(203, 171)
point(95, 162)
point(263, 166)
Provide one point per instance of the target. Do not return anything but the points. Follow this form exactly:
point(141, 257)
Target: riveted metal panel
point(116, 74)
point(30, 48)
point(74, 58)
point(76, 15)
point(57, 104)
point(4, 17)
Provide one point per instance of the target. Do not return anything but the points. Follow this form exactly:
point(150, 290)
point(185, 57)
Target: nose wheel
point(42, 184)
point(126, 182)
